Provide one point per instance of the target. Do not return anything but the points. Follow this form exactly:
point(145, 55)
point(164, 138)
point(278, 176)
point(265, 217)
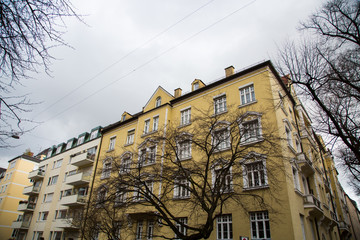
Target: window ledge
point(260, 139)
point(110, 150)
point(181, 198)
point(184, 125)
point(255, 188)
point(218, 114)
point(297, 191)
point(128, 144)
point(292, 149)
point(184, 159)
point(247, 104)
point(149, 133)
point(222, 150)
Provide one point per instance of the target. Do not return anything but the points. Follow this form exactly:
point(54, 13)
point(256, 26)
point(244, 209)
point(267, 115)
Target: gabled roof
point(158, 92)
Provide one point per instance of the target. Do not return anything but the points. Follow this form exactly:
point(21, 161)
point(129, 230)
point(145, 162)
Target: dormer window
point(158, 102)
point(58, 150)
point(196, 86)
point(123, 117)
point(49, 153)
point(94, 134)
point(81, 140)
point(68, 145)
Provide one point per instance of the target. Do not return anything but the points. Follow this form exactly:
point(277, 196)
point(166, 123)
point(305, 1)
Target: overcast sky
point(128, 48)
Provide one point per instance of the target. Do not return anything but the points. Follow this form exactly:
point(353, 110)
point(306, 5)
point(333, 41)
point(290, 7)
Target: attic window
point(123, 117)
point(196, 86)
point(81, 140)
point(158, 102)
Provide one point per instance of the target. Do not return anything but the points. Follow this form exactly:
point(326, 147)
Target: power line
point(154, 58)
point(125, 56)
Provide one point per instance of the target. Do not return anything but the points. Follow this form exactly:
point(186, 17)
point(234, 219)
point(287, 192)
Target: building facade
point(59, 189)
point(234, 158)
point(12, 184)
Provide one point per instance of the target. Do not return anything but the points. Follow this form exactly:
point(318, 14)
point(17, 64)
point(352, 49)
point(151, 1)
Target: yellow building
point(59, 189)
point(11, 191)
point(234, 158)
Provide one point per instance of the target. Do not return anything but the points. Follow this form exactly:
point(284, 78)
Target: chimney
point(229, 71)
point(177, 92)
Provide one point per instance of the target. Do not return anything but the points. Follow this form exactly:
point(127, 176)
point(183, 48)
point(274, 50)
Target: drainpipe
point(91, 190)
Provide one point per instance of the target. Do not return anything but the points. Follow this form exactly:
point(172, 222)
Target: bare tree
point(184, 178)
point(28, 30)
point(326, 68)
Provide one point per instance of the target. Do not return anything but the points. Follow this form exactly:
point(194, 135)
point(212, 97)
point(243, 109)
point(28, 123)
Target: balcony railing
point(36, 174)
point(313, 204)
point(26, 206)
point(305, 164)
point(82, 159)
point(333, 215)
point(74, 200)
point(67, 223)
point(20, 224)
point(78, 178)
point(31, 190)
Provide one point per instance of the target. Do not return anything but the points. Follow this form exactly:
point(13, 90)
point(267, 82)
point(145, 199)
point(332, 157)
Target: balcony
point(305, 164)
point(82, 159)
point(313, 204)
point(78, 179)
point(20, 224)
point(74, 200)
point(24, 206)
point(67, 223)
point(31, 190)
point(36, 174)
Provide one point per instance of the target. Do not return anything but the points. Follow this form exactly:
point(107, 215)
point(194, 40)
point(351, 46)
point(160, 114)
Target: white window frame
point(221, 139)
point(155, 123)
point(250, 134)
point(295, 173)
point(112, 143)
point(150, 230)
point(220, 104)
point(256, 174)
point(224, 230)
point(260, 220)
point(184, 149)
point(147, 155)
point(146, 126)
point(58, 149)
point(181, 226)
point(130, 137)
point(52, 181)
point(181, 188)
point(69, 145)
point(139, 230)
point(158, 102)
point(94, 134)
point(57, 163)
point(228, 184)
point(126, 160)
point(106, 170)
point(247, 94)
point(185, 116)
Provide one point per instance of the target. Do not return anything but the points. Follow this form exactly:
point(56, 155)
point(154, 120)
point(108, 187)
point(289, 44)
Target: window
point(94, 134)
point(48, 197)
point(43, 216)
point(130, 137)
point(101, 197)
point(69, 145)
point(250, 131)
point(58, 150)
point(196, 86)
point(125, 164)
point(147, 126)
point(185, 116)
point(296, 179)
point(220, 104)
point(117, 229)
point(158, 102)
point(57, 235)
point(12, 164)
point(224, 227)
point(260, 226)
point(91, 153)
point(112, 143)
point(150, 230)
point(155, 123)
point(106, 171)
point(49, 153)
point(139, 230)
point(298, 146)
point(147, 156)
point(221, 139)
point(255, 175)
point(57, 163)
point(53, 180)
point(60, 214)
point(247, 95)
point(120, 195)
point(184, 149)
point(181, 188)
point(81, 140)
point(288, 136)
point(181, 226)
point(222, 179)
